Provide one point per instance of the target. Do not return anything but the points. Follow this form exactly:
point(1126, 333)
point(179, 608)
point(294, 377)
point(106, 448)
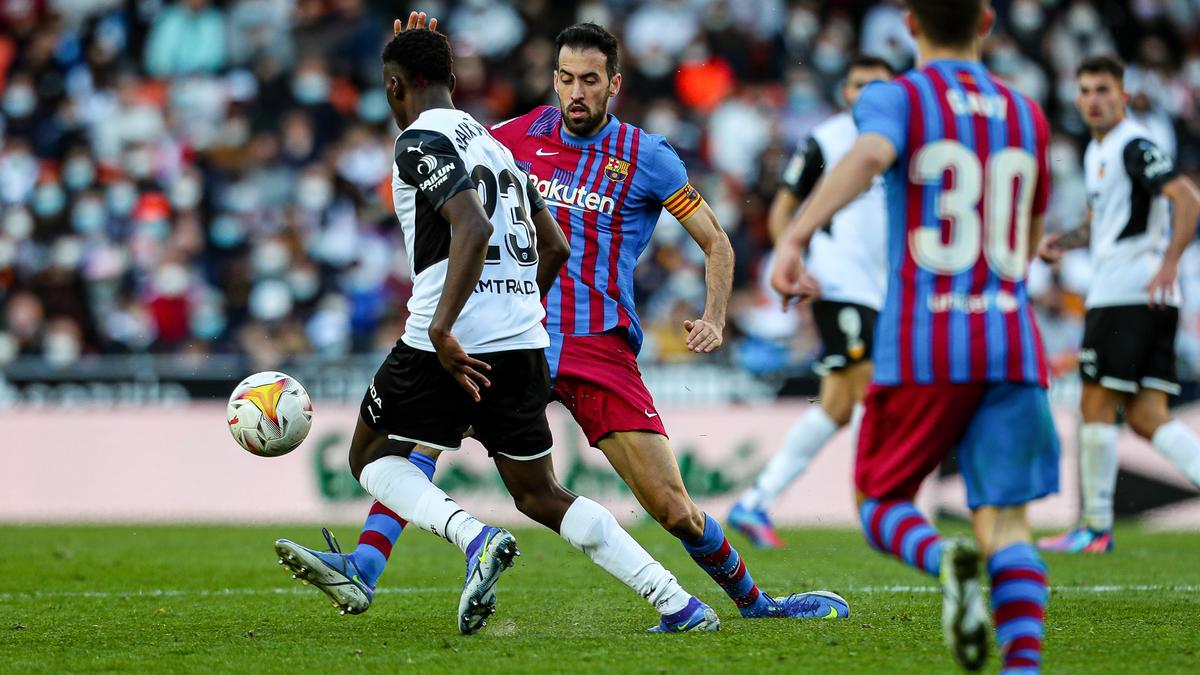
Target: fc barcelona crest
point(616, 169)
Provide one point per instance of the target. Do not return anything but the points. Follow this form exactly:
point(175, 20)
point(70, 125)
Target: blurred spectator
point(198, 176)
point(187, 37)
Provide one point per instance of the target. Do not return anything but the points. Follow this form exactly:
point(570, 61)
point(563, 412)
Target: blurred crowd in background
point(208, 176)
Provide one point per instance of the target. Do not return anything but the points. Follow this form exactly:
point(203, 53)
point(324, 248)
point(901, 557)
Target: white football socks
point(804, 440)
point(590, 528)
point(856, 419)
point(1180, 445)
point(399, 485)
point(1098, 473)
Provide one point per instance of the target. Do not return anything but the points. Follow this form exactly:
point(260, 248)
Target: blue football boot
point(491, 553)
point(696, 616)
point(756, 525)
point(334, 573)
point(811, 605)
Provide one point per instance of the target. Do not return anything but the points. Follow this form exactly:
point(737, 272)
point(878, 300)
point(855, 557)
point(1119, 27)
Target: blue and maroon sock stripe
point(898, 528)
point(1019, 597)
point(713, 553)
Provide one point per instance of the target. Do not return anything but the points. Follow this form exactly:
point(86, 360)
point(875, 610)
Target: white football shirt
point(1125, 173)
point(443, 152)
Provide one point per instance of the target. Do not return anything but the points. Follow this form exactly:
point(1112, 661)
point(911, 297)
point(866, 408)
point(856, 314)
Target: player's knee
point(839, 411)
point(545, 508)
point(681, 517)
point(1144, 420)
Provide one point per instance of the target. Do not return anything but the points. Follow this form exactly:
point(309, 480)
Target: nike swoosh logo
point(539, 153)
point(832, 613)
point(650, 414)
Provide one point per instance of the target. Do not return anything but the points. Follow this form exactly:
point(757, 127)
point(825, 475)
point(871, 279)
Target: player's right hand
point(466, 371)
point(1049, 250)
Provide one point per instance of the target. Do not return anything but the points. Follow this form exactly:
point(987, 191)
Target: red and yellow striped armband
point(685, 202)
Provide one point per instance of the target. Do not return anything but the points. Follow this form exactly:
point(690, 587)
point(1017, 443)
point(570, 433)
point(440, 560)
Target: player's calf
point(897, 528)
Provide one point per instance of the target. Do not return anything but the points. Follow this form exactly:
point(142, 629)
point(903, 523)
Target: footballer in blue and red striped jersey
point(959, 363)
point(607, 191)
point(607, 184)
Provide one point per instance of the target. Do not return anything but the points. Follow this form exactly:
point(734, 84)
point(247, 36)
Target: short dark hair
point(1102, 63)
point(948, 22)
point(589, 35)
point(868, 61)
point(424, 56)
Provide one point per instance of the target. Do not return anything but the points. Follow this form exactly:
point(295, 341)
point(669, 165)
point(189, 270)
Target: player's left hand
point(416, 21)
point(703, 336)
point(1162, 286)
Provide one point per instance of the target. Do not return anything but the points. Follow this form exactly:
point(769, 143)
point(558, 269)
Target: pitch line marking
point(298, 590)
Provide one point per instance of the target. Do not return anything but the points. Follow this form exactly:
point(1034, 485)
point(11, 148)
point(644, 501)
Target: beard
point(584, 126)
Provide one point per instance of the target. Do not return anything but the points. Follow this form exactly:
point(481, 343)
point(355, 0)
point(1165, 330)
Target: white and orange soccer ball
point(269, 414)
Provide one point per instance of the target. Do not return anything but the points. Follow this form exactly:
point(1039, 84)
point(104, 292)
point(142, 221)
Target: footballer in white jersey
point(847, 270)
point(1141, 217)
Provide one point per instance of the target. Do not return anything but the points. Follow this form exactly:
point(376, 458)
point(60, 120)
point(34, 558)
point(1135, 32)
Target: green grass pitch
point(213, 599)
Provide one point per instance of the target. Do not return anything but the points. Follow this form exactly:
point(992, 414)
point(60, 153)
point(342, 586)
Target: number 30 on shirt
point(1007, 186)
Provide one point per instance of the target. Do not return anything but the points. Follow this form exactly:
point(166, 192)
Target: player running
point(958, 358)
point(847, 262)
point(606, 184)
point(473, 355)
point(1128, 357)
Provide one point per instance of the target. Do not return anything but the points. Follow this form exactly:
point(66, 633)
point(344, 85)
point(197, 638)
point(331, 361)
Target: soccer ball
point(269, 414)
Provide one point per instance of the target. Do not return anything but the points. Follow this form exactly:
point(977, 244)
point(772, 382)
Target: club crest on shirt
point(616, 169)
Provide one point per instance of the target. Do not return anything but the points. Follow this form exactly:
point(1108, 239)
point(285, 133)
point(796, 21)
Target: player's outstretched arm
point(470, 232)
point(707, 333)
point(871, 155)
point(783, 207)
point(552, 247)
point(1185, 199)
point(1053, 246)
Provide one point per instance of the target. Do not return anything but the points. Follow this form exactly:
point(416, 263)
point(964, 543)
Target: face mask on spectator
point(156, 229)
point(61, 348)
point(1006, 61)
point(305, 283)
point(373, 106)
point(49, 200)
point(270, 259)
point(314, 193)
point(310, 88)
point(78, 173)
point(803, 97)
point(227, 232)
point(139, 163)
point(1083, 20)
point(8, 252)
point(121, 198)
point(67, 253)
point(828, 59)
point(171, 281)
point(18, 224)
point(207, 321)
point(270, 300)
point(1191, 71)
point(1026, 16)
point(19, 101)
point(185, 193)
point(88, 216)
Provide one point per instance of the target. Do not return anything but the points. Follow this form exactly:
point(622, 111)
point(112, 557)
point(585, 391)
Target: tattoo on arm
point(1077, 238)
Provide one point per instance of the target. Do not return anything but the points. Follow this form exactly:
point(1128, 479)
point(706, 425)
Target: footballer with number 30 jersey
point(959, 365)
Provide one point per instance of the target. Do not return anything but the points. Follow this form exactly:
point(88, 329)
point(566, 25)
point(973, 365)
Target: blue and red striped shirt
point(970, 174)
point(607, 193)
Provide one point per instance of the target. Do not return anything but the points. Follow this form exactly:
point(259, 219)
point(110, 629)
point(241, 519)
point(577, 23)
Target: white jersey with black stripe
point(443, 152)
point(848, 256)
point(1125, 173)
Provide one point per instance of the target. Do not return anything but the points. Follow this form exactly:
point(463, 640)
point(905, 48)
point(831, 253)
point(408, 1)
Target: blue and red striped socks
point(896, 527)
point(381, 530)
point(1019, 599)
point(721, 561)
